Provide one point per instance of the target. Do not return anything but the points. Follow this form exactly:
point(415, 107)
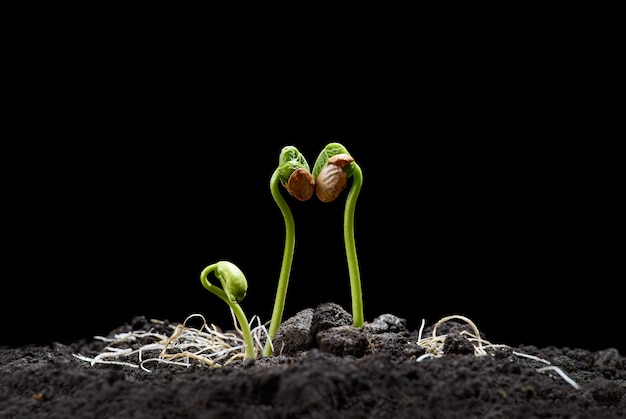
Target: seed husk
point(301, 184)
point(332, 179)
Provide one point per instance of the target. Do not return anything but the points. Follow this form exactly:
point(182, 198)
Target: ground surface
point(325, 369)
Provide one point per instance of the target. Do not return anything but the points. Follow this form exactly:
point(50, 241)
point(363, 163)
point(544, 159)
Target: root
point(205, 345)
point(434, 346)
point(208, 346)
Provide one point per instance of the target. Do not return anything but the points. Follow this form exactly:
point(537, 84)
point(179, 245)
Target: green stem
point(237, 310)
point(285, 270)
point(351, 255)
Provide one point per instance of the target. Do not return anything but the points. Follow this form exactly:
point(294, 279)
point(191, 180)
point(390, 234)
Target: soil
point(323, 367)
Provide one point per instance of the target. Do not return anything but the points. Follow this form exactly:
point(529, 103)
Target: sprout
point(331, 171)
point(294, 174)
point(234, 288)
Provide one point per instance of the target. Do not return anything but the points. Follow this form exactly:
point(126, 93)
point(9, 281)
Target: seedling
point(234, 289)
point(331, 171)
point(293, 173)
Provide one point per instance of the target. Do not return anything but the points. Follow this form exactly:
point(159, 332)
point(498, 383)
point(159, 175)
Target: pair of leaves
point(328, 179)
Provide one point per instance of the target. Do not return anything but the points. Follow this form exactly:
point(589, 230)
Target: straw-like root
point(205, 345)
point(434, 346)
point(208, 346)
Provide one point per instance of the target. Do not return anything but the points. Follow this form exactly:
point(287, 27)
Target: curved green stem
point(329, 184)
point(285, 270)
point(351, 255)
point(235, 307)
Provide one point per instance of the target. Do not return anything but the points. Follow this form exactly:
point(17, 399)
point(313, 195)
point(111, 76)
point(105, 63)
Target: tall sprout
point(293, 173)
point(331, 171)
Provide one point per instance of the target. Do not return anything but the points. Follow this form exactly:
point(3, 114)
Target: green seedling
point(293, 173)
point(233, 290)
point(331, 171)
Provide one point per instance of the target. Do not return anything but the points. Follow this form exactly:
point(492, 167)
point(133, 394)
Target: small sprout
point(331, 171)
point(294, 174)
point(234, 289)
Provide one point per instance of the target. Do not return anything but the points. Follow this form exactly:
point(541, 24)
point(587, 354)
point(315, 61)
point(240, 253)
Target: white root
point(208, 346)
point(434, 346)
point(205, 345)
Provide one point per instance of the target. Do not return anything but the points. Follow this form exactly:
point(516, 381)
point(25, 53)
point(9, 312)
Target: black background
point(148, 134)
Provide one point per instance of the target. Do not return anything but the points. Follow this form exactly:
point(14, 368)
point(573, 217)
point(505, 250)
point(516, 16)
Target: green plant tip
point(331, 149)
point(233, 281)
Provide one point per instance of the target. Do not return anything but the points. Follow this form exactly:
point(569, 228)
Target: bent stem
point(285, 269)
point(223, 270)
point(333, 167)
point(293, 173)
point(350, 244)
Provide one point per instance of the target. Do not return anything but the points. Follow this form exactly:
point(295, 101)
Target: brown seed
point(301, 184)
point(330, 182)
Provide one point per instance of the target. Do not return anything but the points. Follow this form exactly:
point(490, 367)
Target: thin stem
point(285, 270)
point(237, 310)
point(351, 255)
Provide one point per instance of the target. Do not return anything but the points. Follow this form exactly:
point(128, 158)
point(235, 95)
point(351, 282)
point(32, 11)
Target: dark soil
point(326, 368)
